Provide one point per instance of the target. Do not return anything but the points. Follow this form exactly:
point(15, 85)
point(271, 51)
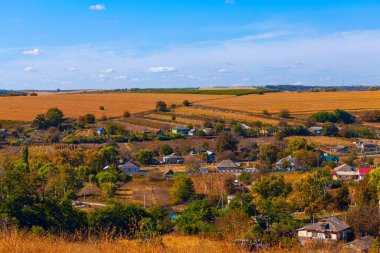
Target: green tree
point(330, 129)
point(165, 149)
point(89, 118)
point(161, 106)
point(272, 186)
point(118, 217)
point(226, 141)
point(183, 189)
point(54, 117)
point(196, 218)
point(126, 114)
point(145, 157)
point(343, 199)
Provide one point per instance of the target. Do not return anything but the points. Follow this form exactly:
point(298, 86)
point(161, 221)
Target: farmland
point(300, 103)
point(74, 105)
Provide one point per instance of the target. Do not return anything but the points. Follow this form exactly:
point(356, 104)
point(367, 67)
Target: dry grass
point(301, 103)
point(223, 115)
point(74, 105)
point(18, 242)
point(325, 140)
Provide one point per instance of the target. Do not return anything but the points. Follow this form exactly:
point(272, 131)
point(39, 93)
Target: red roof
point(363, 171)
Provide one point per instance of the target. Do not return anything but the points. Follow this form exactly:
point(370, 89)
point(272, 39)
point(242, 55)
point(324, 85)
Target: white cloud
point(97, 7)
point(107, 71)
point(32, 52)
point(161, 69)
point(29, 69)
point(122, 77)
point(71, 69)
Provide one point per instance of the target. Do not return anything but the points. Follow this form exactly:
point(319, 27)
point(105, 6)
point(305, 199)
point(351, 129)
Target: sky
point(85, 44)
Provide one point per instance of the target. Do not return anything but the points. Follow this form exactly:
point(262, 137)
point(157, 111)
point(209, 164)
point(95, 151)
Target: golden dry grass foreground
point(74, 105)
point(301, 103)
point(19, 242)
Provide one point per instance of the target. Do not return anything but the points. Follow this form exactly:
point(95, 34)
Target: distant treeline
point(236, 92)
point(320, 88)
point(12, 93)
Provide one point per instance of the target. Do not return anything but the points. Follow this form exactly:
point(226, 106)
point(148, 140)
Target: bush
point(161, 106)
point(101, 108)
point(186, 103)
point(284, 113)
point(89, 118)
point(126, 114)
point(371, 116)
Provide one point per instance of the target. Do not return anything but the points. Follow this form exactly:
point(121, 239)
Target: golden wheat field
point(300, 103)
point(223, 115)
point(74, 105)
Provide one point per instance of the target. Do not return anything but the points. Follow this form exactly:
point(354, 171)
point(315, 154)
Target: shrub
point(183, 189)
point(284, 113)
point(186, 103)
point(89, 118)
point(337, 116)
point(101, 108)
point(126, 114)
point(161, 106)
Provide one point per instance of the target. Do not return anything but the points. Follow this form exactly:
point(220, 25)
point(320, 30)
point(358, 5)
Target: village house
point(180, 130)
point(193, 132)
point(228, 166)
point(328, 158)
point(366, 146)
point(315, 130)
point(3, 132)
point(345, 172)
point(340, 149)
point(129, 167)
point(360, 245)
point(363, 172)
point(288, 163)
point(173, 159)
point(326, 230)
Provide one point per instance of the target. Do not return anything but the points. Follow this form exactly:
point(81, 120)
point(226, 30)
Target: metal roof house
point(228, 166)
point(326, 230)
point(345, 172)
point(129, 167)
point(173, 159)
point(181, 130)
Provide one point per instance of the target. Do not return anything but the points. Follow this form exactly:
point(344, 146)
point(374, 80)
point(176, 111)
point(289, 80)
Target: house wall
point(303, 234)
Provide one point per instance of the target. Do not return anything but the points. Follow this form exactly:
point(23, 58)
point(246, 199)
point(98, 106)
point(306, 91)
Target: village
point(140, 158)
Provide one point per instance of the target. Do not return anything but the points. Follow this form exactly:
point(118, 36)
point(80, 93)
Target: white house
point(326, 230)
point(228, 166)
point(345, 172)
point(290, 163)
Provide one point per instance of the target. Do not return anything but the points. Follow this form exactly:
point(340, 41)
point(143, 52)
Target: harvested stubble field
point(178, 119)
point(74, 105)
point(325, 140)
point(223, 115)
point(300, 103)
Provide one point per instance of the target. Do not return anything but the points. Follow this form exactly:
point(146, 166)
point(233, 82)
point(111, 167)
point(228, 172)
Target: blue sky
point(70, 44)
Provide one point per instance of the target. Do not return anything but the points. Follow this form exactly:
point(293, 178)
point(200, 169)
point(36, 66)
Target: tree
point(226, 141)
point(161, 106)
point(54, 117)
point(183, 189)
point(343, 198)
point(89, 118)
point(165, 149)
point(40, 121)
point(268, 154)
point(272, 186)
point(284, 113)
point(101, 107)
point(364, 220)
point(195, 218)
point(186, 103)
point(118, 217)
point(145, 157)
point(330, 129)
